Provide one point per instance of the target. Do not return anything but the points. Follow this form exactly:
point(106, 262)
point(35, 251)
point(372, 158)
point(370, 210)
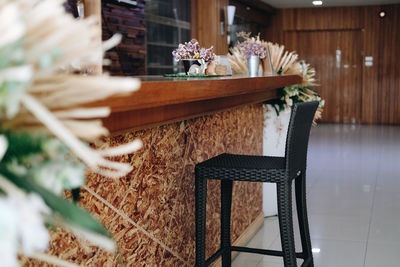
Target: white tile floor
point(353, 200)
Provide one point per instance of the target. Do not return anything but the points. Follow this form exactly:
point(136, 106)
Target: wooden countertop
point(161, 100)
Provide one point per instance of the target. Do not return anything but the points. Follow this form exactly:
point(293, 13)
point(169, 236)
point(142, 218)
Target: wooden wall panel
point(341, 79)
point(92, 8)
point(316, 54)
point(274, 31)
point(388, 66)
point(248, 9)
point(378, 85)
point(350, 79)
point(209, 15)
point(193, 19)
point(370, 86)
point(322, 18)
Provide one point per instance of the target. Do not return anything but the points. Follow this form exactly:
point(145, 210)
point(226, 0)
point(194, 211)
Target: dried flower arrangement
point(304, 92)
point(44, 125)
point(283, 62)
point(201, 58)
point(251, 46)
point(192, 50)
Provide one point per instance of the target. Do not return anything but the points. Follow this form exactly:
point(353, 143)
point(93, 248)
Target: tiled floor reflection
point(353, 199)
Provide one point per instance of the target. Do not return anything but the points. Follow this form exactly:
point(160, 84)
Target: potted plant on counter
point(253, 50)
point(195, 59)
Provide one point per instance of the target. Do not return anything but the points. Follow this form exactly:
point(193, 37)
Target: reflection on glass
point(165, 8)
point(168, 24)
point(241, 24)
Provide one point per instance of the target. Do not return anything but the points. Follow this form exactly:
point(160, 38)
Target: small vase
point(253, 65)
point(187, 63)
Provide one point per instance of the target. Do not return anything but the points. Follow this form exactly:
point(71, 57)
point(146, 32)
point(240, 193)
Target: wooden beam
point(193, 18)
point(257, 4)
point(93, 9)
point(252, 14)
point(210, 14)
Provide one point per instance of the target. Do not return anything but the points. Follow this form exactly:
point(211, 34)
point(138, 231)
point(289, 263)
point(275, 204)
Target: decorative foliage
point(46, 160)
point(43, 120)
point(192, 50)
point(283, 62)
point(304, 92)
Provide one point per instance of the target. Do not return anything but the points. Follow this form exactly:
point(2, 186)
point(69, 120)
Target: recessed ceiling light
point(382, 14)
point(317, 3)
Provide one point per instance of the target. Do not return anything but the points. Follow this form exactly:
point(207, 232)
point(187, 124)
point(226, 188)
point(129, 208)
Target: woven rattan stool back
point(298, 135)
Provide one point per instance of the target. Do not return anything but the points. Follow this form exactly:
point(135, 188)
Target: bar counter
point(163, 100)
point(150, 212)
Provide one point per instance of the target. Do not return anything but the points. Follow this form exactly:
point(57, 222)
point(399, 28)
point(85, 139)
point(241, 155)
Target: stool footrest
point(306, 262)
point(214, 257)
point(263, 251)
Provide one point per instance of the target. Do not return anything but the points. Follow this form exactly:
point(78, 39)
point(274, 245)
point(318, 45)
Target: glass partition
point(167, 25)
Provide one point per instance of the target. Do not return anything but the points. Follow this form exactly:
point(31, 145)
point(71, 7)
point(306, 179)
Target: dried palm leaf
point(238, 61)
point(283, 61)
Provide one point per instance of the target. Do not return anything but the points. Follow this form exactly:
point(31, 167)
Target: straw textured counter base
point(150, 212)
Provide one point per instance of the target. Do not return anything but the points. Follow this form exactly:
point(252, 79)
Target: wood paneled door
point(381, 86)
point(336, 55)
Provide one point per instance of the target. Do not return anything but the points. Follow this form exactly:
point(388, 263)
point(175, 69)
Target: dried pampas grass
point(283, 62)
point(55, 46)
point(238, 61)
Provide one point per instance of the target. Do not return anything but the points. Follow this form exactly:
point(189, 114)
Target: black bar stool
point(279, 170)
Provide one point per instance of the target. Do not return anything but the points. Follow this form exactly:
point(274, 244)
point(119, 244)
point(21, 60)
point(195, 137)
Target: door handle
point(338, 58)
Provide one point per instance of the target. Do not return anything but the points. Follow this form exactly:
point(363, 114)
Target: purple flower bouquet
point(251, 46)
point(192, 54)
point(192, 50)
point(253, 50)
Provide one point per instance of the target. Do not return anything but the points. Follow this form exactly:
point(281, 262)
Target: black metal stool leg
point(284, 191)
point(226, 202)
point(303, 219)
point(201, 197)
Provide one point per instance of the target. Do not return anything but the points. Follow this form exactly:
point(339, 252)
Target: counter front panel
point(150, 212)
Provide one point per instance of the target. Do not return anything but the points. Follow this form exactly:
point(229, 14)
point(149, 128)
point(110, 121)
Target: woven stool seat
point(279, 170)
point(243, 168)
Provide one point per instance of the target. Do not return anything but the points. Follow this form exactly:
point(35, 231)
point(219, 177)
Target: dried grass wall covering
point(151, 212)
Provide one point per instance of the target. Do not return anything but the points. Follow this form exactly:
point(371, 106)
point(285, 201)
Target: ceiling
point(308, 3)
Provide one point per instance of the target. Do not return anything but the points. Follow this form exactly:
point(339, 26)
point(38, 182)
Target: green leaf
point(70, 212)
point(12, 54)
point(21, 144)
